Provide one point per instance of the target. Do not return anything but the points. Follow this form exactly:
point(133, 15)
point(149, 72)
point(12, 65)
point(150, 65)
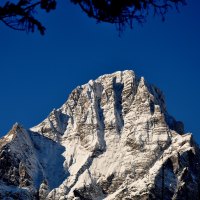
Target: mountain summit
point(112, 139)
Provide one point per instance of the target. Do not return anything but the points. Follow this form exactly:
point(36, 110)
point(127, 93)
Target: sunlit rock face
point(112, 139)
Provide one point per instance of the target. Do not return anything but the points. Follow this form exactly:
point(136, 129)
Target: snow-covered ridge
point(112, 139)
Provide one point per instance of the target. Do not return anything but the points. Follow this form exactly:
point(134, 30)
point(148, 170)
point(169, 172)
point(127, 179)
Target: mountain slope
point(112, 139)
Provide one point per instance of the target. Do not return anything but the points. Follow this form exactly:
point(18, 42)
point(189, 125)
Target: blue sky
point(37, 73)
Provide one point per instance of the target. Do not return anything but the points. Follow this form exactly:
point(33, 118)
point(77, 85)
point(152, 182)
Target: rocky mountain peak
point(117, 92)
point(112, 139)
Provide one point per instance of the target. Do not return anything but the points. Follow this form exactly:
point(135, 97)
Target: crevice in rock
point(84, 167)
point(87, 165)
point(100, 118)
point(118, 109)
point(78, 194)
point(152, 107)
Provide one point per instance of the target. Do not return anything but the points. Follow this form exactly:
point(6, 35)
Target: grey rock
point(112, 139)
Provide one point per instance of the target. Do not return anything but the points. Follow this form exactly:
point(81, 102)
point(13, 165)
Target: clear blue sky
point(37, 73)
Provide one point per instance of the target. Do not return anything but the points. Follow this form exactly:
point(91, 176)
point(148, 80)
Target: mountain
point(112, 139)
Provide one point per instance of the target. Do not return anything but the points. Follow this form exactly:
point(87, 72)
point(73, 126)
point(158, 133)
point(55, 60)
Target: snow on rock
point(27, 160)
point(112, 139)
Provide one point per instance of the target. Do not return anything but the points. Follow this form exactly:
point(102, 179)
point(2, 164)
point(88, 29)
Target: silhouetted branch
point(125, 12)
point(21, 15)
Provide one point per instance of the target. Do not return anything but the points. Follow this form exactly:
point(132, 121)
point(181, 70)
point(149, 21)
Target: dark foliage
point(21, 15)
point(125, 12)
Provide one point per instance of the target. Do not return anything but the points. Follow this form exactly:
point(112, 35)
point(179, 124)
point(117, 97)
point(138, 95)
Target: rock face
point(112, 139)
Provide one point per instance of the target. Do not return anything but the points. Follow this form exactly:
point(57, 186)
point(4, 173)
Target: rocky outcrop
point(112, 139)
point(26, 160)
